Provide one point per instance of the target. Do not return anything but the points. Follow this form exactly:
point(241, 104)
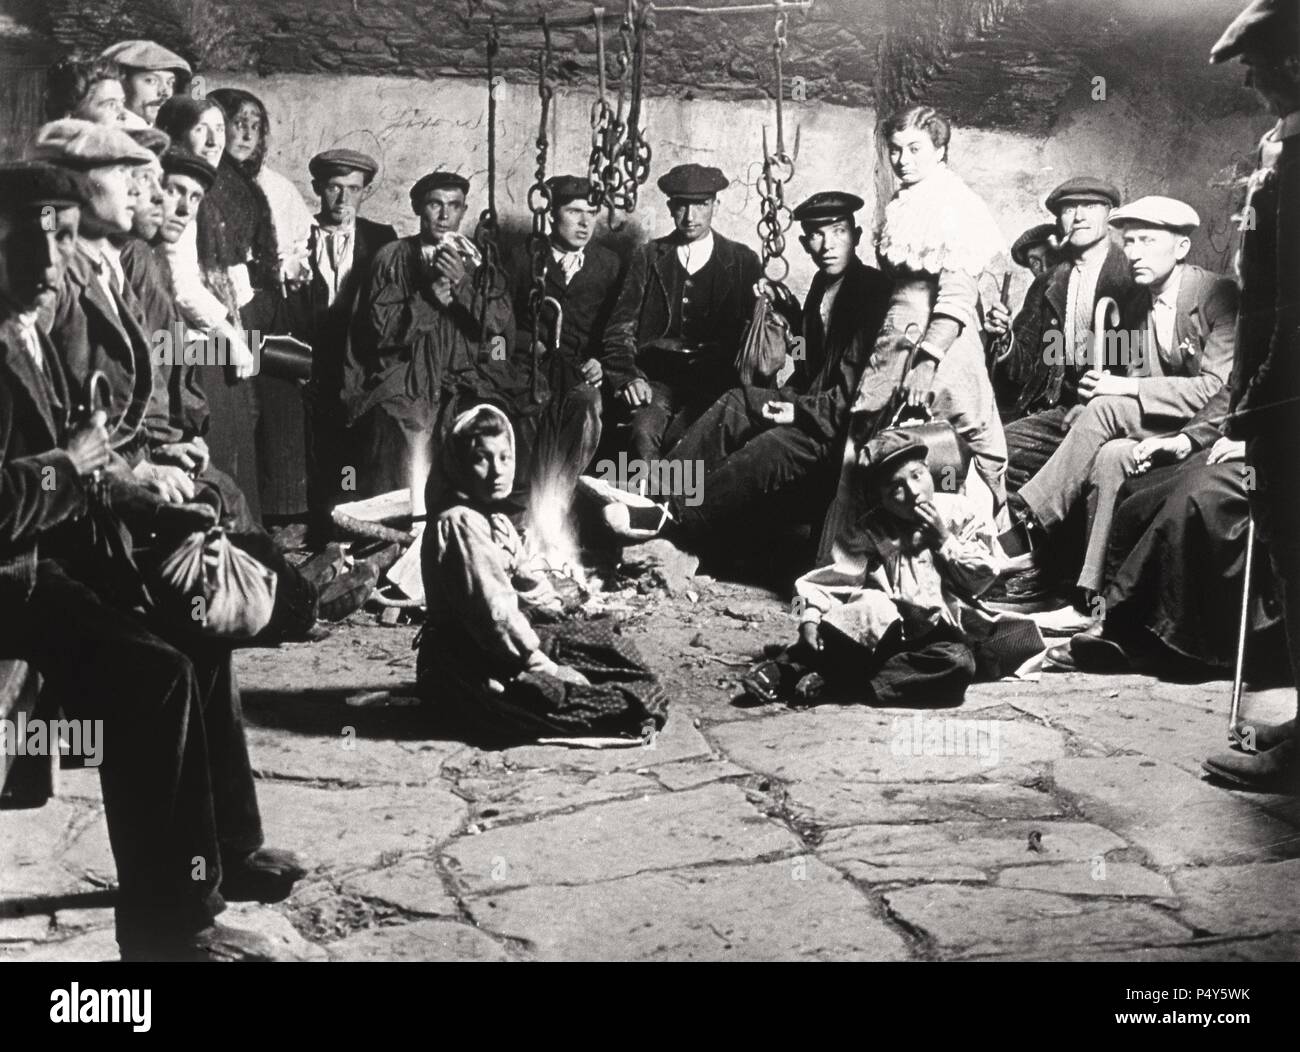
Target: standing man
point(428, 342)
point(670, 349)
point(1057, 316)
point(339, 251)
point(756, 443)
point(1179, 324)
point(1266, 388)
point(583, 279)
point(151, 74)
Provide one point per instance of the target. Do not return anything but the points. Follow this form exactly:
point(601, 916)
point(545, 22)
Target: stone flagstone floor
point(1079, 829)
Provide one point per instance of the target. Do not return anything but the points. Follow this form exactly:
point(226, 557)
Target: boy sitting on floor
point(897, 617)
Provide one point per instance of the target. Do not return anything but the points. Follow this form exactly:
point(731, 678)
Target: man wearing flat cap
point(1179, 326)
point(167, 744)
point(152, 74)
point(671, 345)
point(1045, 353)
point(584, 279)
point(1265, 399)
point(760, 447)
point(1033, 249)
point(428, 342)
point(340, 248)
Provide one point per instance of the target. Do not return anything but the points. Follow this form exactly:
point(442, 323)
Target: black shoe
point(216, 942)
point(1262, 736)
point(763, 682)
point(266, 875)
point(808, 689)
point(1060, 659)
point(1274, 771)
point(1095, 651)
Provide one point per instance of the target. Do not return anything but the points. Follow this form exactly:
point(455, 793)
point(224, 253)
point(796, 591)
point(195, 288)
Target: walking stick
point(1234, 733)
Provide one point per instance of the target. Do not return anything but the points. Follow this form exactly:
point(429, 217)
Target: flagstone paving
point(1065, 819)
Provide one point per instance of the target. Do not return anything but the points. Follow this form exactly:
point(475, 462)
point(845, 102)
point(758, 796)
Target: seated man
point(1036, 375)
point(179, 796)
point(1034, 249)
point(1178, 333)
point(427, 343)
point(583, 279)
point(670, 349)
point(892, 620)
point(757, 442)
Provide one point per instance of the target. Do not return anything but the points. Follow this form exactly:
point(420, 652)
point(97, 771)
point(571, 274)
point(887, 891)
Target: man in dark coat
point(671, 345)
point(340, 248)
point(755, 443)
point(1266, 390)
point(583, 279)
point(179, 797)
point(1038, 391)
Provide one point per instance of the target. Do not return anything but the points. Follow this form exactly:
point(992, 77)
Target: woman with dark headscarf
point(282, 426)
point(222, 270)
point(479, 654)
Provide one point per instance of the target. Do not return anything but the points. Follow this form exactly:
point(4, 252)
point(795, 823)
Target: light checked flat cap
point(81, 144)
point(1163, 212)
point(1264, 25)
point(145, 54)
point(327, 162)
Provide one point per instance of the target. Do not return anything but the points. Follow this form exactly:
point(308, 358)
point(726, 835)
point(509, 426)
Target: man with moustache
point(1057, 314)
point(1179, 324)
point(339, 250)
point(151, 74)
point(177, 784)
point(1265, 404)
point(671, 345)
point(755, 443)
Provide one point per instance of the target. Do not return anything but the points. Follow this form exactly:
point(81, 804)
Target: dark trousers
point(1031, 441)
point(933, 669)
point(681, 389)
point(179, 797)
point(745, 459)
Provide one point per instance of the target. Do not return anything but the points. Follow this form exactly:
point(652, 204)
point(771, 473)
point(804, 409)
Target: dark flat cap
point(326, 163)
point(1265, 25)
point(566, 188)
point(153, 139)
point(81, 144)
point(30, 184)
point(1083, 188)
point(179, 161)
point(145, 54)
point(827, 205)
point(1031, 238)
point(426, 184)
point(692, 182)
point(884, 453)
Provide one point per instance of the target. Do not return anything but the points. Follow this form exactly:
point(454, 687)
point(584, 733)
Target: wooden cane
point(1238, 676)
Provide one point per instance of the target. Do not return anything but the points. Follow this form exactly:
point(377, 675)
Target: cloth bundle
point(224, 591)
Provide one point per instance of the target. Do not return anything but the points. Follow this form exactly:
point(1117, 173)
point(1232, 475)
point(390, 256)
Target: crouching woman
point(897, 619)
point(479, 654)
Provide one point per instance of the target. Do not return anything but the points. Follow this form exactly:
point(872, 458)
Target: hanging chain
point(604, 124)
point(489, 279)
point(635, 152)
point(778, 169)
point(539, 204)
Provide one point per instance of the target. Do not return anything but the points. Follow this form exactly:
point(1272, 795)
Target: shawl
point(939, 224)
point(235, 226)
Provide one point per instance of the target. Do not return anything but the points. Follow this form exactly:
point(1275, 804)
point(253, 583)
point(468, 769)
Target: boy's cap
point(884, 453)
point(179, 161)
point(1031, 238)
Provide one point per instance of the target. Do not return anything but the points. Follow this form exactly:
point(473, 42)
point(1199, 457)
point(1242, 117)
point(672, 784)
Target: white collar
point(701, 250)
point(1168, 296)
point(332, 230)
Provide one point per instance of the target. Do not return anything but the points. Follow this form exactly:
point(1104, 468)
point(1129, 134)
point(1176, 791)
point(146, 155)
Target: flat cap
point(426, 184)
point(1083, 188)
point(566, 188)
point(155, 140)
point(827, 205)
point(327, 162)
point(1264, 25)
point(29, 184)
point(180, 161)
point(1165, 212)
point(81, 144)
point(145, 54)
point(884, 453)
point(692, 181)
point(1031, 238)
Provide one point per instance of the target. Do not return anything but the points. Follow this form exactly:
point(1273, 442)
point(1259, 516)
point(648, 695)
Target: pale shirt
point(694, 254)
point(106, 263)
point(25, 324)
point(570, 262)
point(828, 301)
point(198, 305)
point(331, 255)
point(291, 219)
point(1164, 307)
point(1079, 302)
